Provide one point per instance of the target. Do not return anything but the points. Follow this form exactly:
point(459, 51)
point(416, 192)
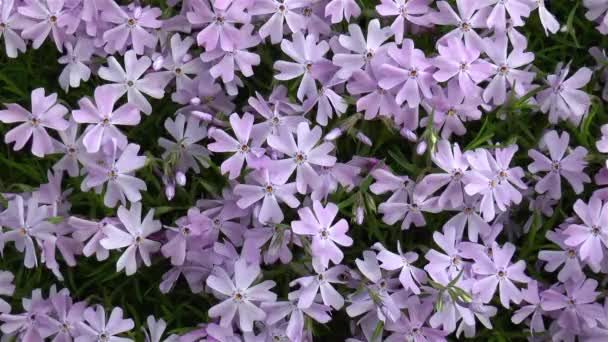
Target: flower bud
point(195, 101)
point(202, 116)
point(158, 63)
point(333, 134)
point(407, 134)
point(187, 58)
point(421, 148)
point(364, 139)
point(180, 178)
point(170, 191)
point(360, 215)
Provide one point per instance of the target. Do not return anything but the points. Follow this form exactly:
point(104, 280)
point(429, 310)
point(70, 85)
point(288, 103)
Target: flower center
point(186, 231)
point(53, 19)
point(403, 10)
point(502, 274)
point(131, 22)
point(244, 148)
point(413, 73)
point(103, 337)
point(219, 19)
point(130, 83)
point(465, 26)
point(34, 122)
point(308, 66)
point(307, 12)
point(138, 240)
point(571, 253)
point(282, 8)
point(457, 174)
point(464, 66)
point(414, 207)
point(105, 121)
point(22, 231)
point(595, 230)
point(555, 165)
point(504, 69)
point(178, 71)
point(268, 189)
point(324, 234)
point(112, 174)
point(451, 112)
point(238, 296)
point(300, 158)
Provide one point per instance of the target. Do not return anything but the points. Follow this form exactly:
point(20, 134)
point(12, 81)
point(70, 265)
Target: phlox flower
point(72, 149)
point(597, 10)
point(181, 238)
point(135, 238)
point(410, 276)
point(270, 190)
point(362, 49)
point(326, 235)
point(241, 147)
point(413, 11)
point(451, 260)
point(342, 10)
point(462, 64)
point(185, 147)
point(533, 309)
point(283, 11)
point(505, 71)
point(570, 166)
point(409, 208)
point(309, 62)
point(468, 216)
point(179, 62)
point(467, 19)
point(451, 109)
point(276, 118)
point(6, 289)
point(103, 119)
point(11, 20)
point(321, 281)
point(414, 325)
point(564, 99)
point(567, 256)
point(295, 329)
point(131, 27)
point(497, 19)
point(498, 271)
point(219, 23)
point(579, 311)
point(64, 317)
point(550, 24)
point(270, 242)
point(96, 327)
point(130, 81)
point(453, 162)
point(27, 223)
point(48, 17)
point(90, 233)
point(45, 113)
point(117, 172)
point(327, 101)
point(240, 296)
point(301, 156)
point(592, 233)
point(75, 68)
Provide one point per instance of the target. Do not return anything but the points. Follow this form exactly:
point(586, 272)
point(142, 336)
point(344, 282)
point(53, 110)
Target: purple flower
point(282, 12)
point(276, 118)
point(235, 58)
point(410, 276)
point(181, 238)
point(550, 24)
point(133, 24)
point(65, 317)
point(46, 113)
point(571, 167)
point(363, 50)
point(240, 296)
point(532, 310)
point(592, 233)
point(76, 69)
point(310, 286)
point(454, 163)
point(413, 11)
point(27, 224)
point(117, 171)
point(302, 156)
point(499, 271)
point(241, 148)
point(413, 72)
point(186, 134)
point(132, 82)
point(103, 119)
point(597, 10)
point(294, 331)
point(376, 101)
point(97, 328)
point(451, 261)
point(342, 10)
point(272, 240)
point(451, 109)
point(6, 289)
point(269, 189)
point(567, 257)
point(325, 236)
point(457, 61)
point(563, 99)
point(135, 238)
point(409, 208)
point(72, 149)
point(505, 70)
point(494, 179)
point(413, 326)
point(11, 20)
point(579, 311)
point(28, 326)
point(179, 62)
point(219, 23)
point(309, 62)
point(93, 232)
point(498, 19)
point(466, 21)
point(49, 17)
point(327, 101)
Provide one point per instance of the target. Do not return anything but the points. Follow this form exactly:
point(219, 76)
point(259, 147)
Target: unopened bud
point(364, 139)
point(195, 101)
point(158, 63)
point(333, 134)
point(202, 116)
point(180, 178)
point(360, 215)
point(170, 191)
point(421, 148)
point(408, 134)
point(210, 131)
point(187, 58)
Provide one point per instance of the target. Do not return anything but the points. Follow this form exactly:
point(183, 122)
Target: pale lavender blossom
point(589, 236)
point(75, 68)
point(48, 17)
point(564, 99)
point(409, 208)
point(321, 281)
point(570, 166)
point(241, 147)
point(6, 289)
point(342, 10)
point(219, 23)
point(45, 113)
point(103, 119)
point(516, 9)
point(283, 12)
point(11, 20)
point(131, 27)
point(135, 238)
point(466, 21)
point(410, 276)
point(97, 327)
point(326, 235)
point(532, 310)
point(412, 11)
point(597, 10)
point(239, 295)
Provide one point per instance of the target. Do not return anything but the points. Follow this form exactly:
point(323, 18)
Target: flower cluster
point(311, 218)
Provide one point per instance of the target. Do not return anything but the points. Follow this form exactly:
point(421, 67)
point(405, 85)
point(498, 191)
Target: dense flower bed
point(299, 170)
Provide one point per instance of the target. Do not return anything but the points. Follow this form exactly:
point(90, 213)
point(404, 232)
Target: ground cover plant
point(303, 170)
